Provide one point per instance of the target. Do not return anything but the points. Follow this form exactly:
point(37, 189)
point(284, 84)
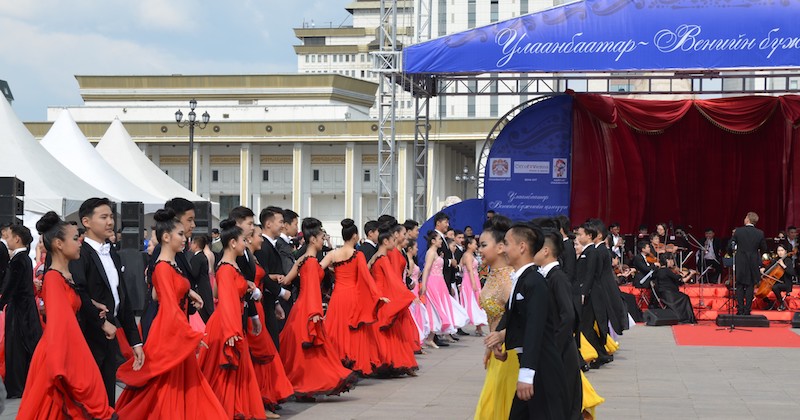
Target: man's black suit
point(531, 327)
point(199, 271)
point(5, 258)
point(615, 308)
point(368, 250)
point(91, 282)
point(567, 261)
point(270, 260)
point(643, 268)
point(750, 244)
point(588, 269)
point(567, 328)
point(459, 277)
point(715, 262)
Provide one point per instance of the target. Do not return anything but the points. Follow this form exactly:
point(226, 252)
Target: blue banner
point(466, 213)
point(623, 35)
point(529, 166)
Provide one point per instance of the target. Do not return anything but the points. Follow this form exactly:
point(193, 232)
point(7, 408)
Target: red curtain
point(695, 163)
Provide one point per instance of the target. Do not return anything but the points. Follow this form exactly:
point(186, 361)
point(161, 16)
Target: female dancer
point(226, 362)
point(23, 329)
point(397, 350)
point(64, 380)
point(501, 377)
point(170, 384)
point(275, 386)
point(311, 364)
point(434, 288)
point(353, 306)
point(418, 310)
point(471, 286)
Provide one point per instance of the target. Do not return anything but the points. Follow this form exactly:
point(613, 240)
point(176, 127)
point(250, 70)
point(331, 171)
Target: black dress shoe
point(461, 332)
point(439, 342)
point(585, 367)
point(454, 337)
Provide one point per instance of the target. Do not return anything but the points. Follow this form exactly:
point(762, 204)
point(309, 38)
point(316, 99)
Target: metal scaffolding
point(387, 64)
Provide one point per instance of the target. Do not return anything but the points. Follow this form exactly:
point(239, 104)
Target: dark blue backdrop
point(466, 213)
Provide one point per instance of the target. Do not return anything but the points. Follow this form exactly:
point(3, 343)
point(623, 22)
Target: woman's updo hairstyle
point(385, 231)
point(51, 227)
point(165, 222)
point(311, 228)
point(228, 231)
point(349, 229)
point(498, 227)
point(432, 234)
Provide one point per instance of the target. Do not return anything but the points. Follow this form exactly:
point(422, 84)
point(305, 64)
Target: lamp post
point(464, 178)
point(192, 122)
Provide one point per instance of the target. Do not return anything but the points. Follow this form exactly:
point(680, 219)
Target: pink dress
point(418, 310)
point(439, 301)
point(471, 296)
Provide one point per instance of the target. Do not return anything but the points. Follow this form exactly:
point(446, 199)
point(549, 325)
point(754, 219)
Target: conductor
point(750, 245)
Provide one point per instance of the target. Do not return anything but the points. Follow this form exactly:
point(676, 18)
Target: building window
point(493, 99)
point(227, 203)
point(265, 175)
point(523, 7)
point(215, 175)
point(367, 175)
point(315, 175)
point(442, 106)
point(362, 73)
point(470, 14)
point(324, 58)
point(472, 86)
point(494, 13)
point(313, 58)
point(442, 17)
point(334, 58)
point(307, 59)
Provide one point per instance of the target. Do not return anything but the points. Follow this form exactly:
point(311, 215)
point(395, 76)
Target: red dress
point(311, 364)
point(407, 325)
point(63, 381)
point(397, 348)
point(229, 370)
point(270, 375)
point(352, 309)
point(170, 385)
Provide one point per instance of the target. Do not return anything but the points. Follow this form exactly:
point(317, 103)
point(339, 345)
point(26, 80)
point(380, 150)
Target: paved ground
point(651, 378)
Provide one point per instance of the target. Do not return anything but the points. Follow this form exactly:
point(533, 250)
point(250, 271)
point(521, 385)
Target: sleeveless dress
point(229, 370)
point(397, 351)
point(406, 323)
point(271, 377)
point(351, 311)
point(470, 296)
point(64, 380)
point(439, 299)
point(170, 385)
point(311, 364)
point(418, 310)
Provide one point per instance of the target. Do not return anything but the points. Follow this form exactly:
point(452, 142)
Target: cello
point(771, 276)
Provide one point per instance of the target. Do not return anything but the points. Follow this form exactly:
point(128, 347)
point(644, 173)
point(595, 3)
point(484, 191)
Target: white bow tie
point(105, 249)
point(541, 271)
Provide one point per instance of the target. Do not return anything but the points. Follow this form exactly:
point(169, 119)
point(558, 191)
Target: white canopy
point(119, 150)
point(66, 142)
point(49, 185)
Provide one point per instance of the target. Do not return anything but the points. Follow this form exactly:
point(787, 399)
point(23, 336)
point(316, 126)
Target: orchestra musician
point(661, 231)
point(644, 262)
point(785, 284)
point(622, 271)
point(616, 243)
point(750, 244)
point(712, 255)
point(668, 279)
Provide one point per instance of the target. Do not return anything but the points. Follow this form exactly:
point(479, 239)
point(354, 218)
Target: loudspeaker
point(11, 186)
point(726, 320)
point(202, 218)
point(11, 206)
point(131, 238)
point(132, 214)
point(658, 317)
point(796, 320)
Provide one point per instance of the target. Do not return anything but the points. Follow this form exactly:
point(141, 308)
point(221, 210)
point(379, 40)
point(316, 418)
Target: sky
point(45, 43)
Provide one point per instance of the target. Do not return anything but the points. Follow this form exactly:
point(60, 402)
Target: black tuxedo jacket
point(568, 260)
point(615, 308)
point(527, 322)
point(4, 260)
point(286, 252)
point(642, 269)
point(91, 283)
point(247, 265)
point(368, 250)
point(717, 245)
point(750, 244)
point(563, 308)
point(199, 271)
point(269, 258)
point(586, 269)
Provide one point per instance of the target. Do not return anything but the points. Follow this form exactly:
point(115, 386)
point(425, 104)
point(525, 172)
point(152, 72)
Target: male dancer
point(104, 304)
point(272, 222)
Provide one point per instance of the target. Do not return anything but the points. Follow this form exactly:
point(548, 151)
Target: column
point(244, 175)
point(301, 174)
point(193, 175)
point(433, 207)
point(256, 178)
point(353, 181)
point(204, 186)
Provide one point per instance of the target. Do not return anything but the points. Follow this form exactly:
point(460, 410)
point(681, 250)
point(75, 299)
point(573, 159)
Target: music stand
point(731, 297)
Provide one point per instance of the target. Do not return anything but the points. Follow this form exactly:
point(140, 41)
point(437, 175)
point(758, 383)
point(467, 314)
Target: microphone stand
point(731, 297)
point(695, 243)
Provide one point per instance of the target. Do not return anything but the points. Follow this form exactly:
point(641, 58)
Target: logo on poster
point(500, 168)
point(531, 167)
point(559, 168)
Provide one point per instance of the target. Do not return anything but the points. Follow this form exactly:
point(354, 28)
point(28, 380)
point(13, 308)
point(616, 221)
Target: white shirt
point(525, 375)
point(371, 243)
point(286, 238)
point(272, 241)
point(616, 248)
point(108, 267)
point(709, 250)
point(544, 271)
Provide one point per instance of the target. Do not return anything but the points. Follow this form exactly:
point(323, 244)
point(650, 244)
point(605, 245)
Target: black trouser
point(744, 298)
point(786, 287)
point(106, 358)
point(587, 328)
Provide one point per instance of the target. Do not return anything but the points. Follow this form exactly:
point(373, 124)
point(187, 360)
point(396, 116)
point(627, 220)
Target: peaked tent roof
point(49, 185)
point(66, 142)
point(119, 150)
point(622, 35)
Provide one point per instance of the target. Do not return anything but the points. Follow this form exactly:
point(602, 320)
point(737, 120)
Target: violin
point(650, 258)
point(685, 273)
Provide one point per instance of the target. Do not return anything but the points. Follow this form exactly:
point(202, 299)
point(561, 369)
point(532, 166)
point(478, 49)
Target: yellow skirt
point(590, 398)
point(587, 351)
point(499, 388)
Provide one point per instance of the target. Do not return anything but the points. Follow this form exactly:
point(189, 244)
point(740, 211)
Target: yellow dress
point(500, 384)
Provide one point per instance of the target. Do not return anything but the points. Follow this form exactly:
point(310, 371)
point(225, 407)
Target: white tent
point(49, 185)
point(66, 142)
point(119, 150)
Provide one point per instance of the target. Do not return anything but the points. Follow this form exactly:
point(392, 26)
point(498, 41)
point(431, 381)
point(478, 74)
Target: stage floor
point(654, 378)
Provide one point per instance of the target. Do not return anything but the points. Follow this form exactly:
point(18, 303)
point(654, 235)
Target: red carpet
point(707, 335)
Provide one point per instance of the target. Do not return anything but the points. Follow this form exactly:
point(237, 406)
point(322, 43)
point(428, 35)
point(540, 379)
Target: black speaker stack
point(202, 218)
point(658, 317)
point(12, 206)
point(132, 223)
point(726, 320)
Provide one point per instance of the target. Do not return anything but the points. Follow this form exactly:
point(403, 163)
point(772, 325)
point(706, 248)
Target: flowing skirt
point(460, 315)
point(439, 300)
point(469, 300)
point(499, 388)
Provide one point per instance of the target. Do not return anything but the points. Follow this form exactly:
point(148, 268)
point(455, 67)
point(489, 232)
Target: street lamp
point(192, 122)
point(464, 179)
